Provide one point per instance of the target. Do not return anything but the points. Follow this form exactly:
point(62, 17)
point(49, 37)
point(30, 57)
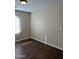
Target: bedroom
point(41, 21)
point(44, 29)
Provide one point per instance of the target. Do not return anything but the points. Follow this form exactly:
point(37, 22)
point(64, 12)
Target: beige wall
point(47, 24)
point(25, 25)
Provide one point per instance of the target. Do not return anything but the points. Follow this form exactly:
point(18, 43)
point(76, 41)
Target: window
point(17, 25)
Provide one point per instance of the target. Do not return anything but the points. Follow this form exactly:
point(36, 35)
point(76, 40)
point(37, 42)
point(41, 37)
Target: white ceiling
point(33, 5)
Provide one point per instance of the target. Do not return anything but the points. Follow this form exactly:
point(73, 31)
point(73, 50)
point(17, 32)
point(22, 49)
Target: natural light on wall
point(17, 25)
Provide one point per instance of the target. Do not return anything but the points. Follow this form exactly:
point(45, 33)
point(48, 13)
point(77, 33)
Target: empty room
point(38, 29)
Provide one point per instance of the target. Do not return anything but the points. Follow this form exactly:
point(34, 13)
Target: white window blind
point(17, 25)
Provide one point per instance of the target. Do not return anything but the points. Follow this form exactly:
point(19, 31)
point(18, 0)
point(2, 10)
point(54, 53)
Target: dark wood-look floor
point(32, 49)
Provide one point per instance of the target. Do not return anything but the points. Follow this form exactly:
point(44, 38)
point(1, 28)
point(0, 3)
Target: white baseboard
point(21, 39)
point(48, 43)
point(40, 41)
